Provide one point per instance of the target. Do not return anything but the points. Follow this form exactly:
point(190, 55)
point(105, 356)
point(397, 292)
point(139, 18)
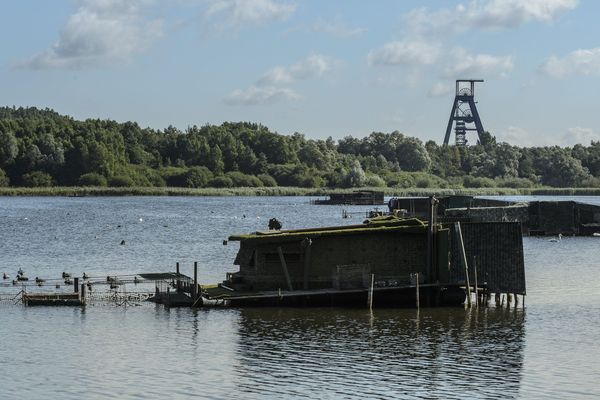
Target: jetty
point(172, 289)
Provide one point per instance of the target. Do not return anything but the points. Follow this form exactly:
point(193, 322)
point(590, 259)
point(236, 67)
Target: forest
point(41, 148)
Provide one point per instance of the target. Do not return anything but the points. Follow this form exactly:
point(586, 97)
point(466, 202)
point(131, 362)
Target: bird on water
point(556, 239)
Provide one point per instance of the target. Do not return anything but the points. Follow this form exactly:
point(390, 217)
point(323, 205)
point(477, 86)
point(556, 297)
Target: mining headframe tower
point(464, 113)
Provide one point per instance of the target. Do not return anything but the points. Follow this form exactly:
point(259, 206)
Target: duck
point(84, 276)
point(5, 276)
point(39, 280)
point(556, 239)
point(66, 274)
point(20, 271)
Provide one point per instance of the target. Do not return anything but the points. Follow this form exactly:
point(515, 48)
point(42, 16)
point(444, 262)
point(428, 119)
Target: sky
point(320, 68)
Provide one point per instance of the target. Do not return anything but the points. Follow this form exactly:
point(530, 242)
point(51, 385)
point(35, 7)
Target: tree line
point(39, 147)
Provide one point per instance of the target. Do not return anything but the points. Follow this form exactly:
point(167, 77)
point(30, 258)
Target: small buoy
point(118, 226)
point(122, 242)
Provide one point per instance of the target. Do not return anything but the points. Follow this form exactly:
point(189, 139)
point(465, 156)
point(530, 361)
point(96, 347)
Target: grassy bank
point(82, 191)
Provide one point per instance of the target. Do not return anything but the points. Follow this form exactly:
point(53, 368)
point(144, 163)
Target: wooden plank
point(284, 267)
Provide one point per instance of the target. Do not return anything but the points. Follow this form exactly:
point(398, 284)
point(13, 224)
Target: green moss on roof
point(375, 225)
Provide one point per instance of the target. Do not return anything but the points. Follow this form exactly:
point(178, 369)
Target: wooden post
point(195, 289)
point(461, 248)
point(178, 280)
point(476, 289)
point(82, 294)
point(418, 301)
point(370, 296)
point(284, 267)
point(76, 285)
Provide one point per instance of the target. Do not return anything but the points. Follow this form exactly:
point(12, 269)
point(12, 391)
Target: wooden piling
point(82, 295)
point(418, 295)
point(76, 285)
point(178, 280)
point(461, 248)
point(370, 296)
point(476, 288)
point(284, 267)
point(195, 289)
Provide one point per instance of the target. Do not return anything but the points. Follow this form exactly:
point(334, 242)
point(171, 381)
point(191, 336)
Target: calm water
point(547, 350)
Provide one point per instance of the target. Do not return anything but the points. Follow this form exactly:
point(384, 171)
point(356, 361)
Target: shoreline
point(80, 191)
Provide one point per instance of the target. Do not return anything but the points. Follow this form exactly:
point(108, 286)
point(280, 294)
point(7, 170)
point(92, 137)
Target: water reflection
point(321, 353)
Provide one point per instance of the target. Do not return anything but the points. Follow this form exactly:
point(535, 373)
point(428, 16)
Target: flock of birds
point(21, 277)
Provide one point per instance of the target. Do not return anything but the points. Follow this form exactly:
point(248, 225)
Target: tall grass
point(77, 191)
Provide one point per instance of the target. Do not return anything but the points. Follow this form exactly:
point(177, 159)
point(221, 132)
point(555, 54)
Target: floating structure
point(537, 218)
point(359, 197)
point(385, 262)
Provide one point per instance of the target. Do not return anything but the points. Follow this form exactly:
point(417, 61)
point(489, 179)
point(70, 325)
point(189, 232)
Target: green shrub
point(4, 181)
point(375, 181)
point(240, 179)
point(120, 181)
point(92, 179)
point(267, 180)
point(477, 182)
point(220, 181)
point(197, 177)
point(37, 179)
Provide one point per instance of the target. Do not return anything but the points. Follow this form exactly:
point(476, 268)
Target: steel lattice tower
point(464, 112)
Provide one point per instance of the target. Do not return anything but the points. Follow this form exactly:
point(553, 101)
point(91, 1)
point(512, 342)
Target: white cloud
point(269, 88)
point(100, 33)
point(261, 95)
point(580, 135)
point(518, 136)
point(313, 66)
point(485, 65)
point(578, 62)
point(491, 14)
point(405, 53)
point(337, 28)
point(440, 89)
point(240, 13)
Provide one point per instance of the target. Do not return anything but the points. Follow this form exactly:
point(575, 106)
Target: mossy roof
point(387, 224)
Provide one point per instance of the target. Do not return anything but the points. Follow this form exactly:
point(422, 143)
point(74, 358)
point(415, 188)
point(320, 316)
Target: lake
point(547, 349)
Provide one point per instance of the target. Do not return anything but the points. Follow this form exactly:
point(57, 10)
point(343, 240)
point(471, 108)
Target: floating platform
point(53, 299)
point(361, 197)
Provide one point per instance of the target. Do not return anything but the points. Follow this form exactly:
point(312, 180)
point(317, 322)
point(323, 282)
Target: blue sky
point(321, 68)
